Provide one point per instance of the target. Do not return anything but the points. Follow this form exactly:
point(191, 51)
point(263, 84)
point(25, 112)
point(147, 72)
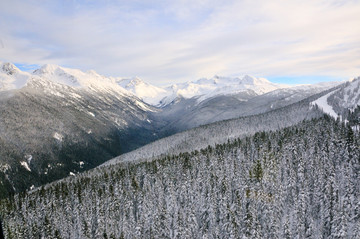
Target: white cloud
point(183, 40)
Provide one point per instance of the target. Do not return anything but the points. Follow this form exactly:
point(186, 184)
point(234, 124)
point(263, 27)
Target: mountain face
point(11, 77)
point(203, 89)
point(148, 93)
point(57, 122)
point(292, 183)
point(187, 105)
point(223, 131)
point(343, 102)
point(184, 114)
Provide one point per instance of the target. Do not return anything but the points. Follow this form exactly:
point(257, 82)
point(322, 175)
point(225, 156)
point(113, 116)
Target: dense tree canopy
point(299, 182)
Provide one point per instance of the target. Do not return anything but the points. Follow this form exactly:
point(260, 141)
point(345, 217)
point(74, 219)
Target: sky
point(162, 42)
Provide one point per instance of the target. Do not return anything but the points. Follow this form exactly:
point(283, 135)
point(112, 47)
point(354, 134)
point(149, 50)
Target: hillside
point(221, 132)
point(50, 128)
point(183, 113)
point(297, 182)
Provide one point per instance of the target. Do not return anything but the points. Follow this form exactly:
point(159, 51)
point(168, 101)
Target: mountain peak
point(46, 69)
point(136, 81)
point(131, 83)
point(251, 80)
point(9, 68)
point(93, 72)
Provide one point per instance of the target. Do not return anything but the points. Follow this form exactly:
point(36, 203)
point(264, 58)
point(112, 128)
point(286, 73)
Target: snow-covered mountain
point(185, 113)
point(343, 102)
point(203, 90)
point(11, 77)
point(294, 182)
point(57, 121)
point(207, 88)
point(277, 167)
point(148, 93)
point(74, 120)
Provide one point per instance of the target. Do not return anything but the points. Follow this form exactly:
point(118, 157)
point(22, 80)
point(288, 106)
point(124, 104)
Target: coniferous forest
point(299, 182)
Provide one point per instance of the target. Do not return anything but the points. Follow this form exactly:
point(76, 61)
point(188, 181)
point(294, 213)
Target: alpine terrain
point(58, 121)
point(215, 158)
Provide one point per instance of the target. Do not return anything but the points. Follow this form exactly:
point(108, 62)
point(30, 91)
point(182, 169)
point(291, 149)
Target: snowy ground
point(324, 106)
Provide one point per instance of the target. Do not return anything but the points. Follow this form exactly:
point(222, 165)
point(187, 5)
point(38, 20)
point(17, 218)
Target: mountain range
point(59, 121)
point(88, 156)
point(280, 164)
point(54, 123)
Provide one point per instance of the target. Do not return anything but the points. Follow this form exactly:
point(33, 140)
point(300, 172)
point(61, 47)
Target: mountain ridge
point(202, 88)
point(60, 117)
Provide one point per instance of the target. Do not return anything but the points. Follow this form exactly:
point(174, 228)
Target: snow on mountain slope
point(184, 114)
point(340, 101)
point(11, 77)
point(221, 131)
point(202, 89)
point(50, 78)
point(322, 103)
point(206, 88)
point(79, 79)
point(60, 117)
point(349, 96)
point(59, 126)
point(148, 93)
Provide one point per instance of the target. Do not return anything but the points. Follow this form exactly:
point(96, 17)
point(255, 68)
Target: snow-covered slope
point(202, 89)
point(322, 103)
point(79, 79)
point(206, 88)
point(65, 121)
point(217, 86)
point(11, 77)
point(148, 93)
point(188, 113)
point(341, 102)
point(46, 77)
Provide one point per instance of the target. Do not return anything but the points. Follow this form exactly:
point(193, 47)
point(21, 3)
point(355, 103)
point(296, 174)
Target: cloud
point(182, 40)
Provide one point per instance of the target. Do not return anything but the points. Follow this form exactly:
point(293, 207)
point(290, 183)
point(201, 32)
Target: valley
point(101, 158)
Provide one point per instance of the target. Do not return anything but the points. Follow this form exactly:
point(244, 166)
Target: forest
point(298, 182)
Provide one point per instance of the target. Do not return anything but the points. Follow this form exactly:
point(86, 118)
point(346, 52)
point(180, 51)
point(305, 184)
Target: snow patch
point(25, 165)
point(324, 106)
point(143, 106)
point(58, 136)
